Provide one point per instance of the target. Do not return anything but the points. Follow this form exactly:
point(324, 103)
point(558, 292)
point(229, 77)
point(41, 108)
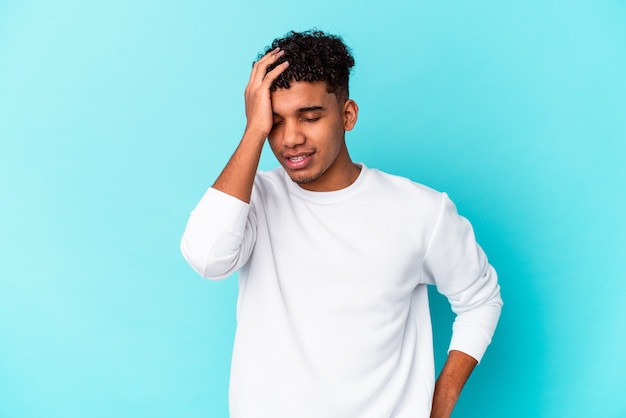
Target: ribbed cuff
point(470, 340)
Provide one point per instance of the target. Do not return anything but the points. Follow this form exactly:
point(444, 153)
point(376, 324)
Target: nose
point(292, 135)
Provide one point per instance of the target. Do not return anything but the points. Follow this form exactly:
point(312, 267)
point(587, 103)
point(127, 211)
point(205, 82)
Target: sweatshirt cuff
point(223, 211)
point(469, 340)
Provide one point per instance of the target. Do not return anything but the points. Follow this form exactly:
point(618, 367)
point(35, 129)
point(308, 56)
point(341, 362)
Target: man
point(334, 258)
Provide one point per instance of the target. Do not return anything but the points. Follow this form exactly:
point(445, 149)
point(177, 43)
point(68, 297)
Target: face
point(308, 136)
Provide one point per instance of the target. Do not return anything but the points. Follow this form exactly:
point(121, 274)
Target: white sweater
point(332, 315)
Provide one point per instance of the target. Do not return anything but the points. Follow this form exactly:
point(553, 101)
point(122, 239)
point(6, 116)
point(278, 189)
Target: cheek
point(273, 143)
point(327, 133)
point(276, 148)
point(335, 135)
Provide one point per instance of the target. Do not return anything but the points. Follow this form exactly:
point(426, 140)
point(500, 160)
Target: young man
point(334, 258)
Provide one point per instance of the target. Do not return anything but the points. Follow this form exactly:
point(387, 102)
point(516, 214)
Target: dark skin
point(455, 372)
point(286, 118)
point(237, 178)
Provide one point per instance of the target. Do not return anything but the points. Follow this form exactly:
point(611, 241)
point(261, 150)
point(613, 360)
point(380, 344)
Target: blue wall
point(115, 116)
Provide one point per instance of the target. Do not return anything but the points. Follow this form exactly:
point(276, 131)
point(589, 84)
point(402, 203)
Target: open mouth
point(298, 161)
point(298, 158)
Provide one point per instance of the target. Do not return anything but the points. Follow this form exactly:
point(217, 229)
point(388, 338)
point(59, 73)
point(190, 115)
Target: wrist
point(444, 400)
point(255, 133)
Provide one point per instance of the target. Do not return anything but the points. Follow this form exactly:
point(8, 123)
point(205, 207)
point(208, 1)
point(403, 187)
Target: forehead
point(301, 95)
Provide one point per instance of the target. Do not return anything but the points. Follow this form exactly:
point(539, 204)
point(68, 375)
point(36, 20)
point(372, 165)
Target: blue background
point(115, 117)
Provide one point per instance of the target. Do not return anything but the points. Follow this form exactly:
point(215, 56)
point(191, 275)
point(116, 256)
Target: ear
point(350, 114)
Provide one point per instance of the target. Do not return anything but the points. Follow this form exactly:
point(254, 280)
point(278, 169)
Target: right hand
point(257, 94)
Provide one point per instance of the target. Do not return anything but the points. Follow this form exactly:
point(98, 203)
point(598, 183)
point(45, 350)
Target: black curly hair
point(313, 55)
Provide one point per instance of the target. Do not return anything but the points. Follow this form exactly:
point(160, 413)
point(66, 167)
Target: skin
point(237, 178)
point(309, 126)
point(307, 123)
point(455, 372)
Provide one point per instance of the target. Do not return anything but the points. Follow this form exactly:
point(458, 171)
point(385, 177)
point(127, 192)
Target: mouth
point(296, 162)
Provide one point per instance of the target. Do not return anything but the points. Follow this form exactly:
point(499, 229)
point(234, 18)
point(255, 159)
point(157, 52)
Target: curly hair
point(313, 55)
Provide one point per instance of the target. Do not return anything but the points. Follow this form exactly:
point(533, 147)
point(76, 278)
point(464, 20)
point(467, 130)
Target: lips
point(298, 161)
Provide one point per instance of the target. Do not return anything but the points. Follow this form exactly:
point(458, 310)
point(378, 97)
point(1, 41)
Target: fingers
point(259, 69)
point(276, 71)
point(257, 94)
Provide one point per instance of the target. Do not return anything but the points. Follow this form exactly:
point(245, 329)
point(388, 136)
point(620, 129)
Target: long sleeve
point(219, 236)
point(459, 268)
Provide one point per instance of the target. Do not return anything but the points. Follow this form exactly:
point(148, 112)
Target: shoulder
point(270, 178)
point(405, 188)
point(405, 200)
point(269, 185)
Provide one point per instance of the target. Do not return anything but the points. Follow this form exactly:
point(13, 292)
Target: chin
point(304, 178)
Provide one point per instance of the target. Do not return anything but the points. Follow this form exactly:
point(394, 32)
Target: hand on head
point(257, 93)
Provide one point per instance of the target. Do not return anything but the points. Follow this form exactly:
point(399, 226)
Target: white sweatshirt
point(332, 315)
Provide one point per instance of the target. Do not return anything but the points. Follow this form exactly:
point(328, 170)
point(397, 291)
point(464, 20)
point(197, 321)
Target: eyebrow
point(305, 109)
point(310, 109)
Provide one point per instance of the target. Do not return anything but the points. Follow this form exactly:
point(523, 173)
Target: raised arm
point(237, 177)
point(220, 232)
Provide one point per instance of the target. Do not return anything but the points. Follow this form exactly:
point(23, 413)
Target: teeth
point(299, 158)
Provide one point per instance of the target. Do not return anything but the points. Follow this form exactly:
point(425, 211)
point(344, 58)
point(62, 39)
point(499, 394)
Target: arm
point(221, 230)
point(451, 380)
point(461, 271)
point(237, 178)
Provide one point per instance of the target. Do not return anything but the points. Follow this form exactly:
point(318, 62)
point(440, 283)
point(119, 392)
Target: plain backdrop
point(116, 116)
